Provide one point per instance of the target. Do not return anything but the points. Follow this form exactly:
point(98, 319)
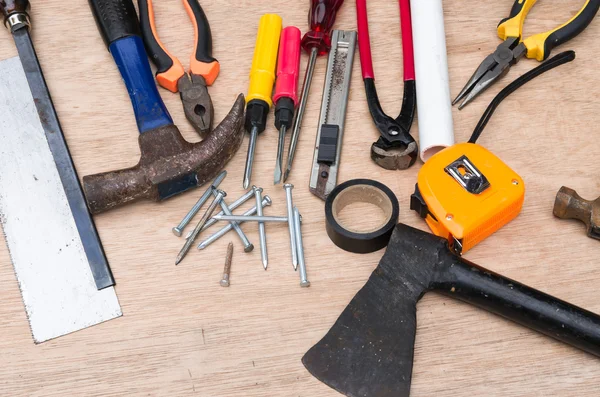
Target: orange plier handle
point(169, 68)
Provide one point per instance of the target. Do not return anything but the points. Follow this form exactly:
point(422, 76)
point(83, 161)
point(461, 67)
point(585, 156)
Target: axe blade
point(369, 350)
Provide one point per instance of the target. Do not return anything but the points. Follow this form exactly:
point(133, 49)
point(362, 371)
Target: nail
point(236, 204)
point(301, 264)
point(177, 230)
point(205, 217)
point(261, 227)
point(252, 218)
point(290, 210)
point(266, 201)
point(227, 270)
point(248, 246)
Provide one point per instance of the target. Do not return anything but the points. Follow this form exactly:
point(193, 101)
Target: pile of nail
point(254, 214)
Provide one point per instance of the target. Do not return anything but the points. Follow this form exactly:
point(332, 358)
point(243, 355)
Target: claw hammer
point(168, 165)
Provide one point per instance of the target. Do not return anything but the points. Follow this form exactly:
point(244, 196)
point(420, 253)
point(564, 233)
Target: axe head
point(369, 350)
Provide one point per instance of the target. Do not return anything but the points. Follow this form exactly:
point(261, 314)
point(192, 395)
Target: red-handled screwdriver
point(316, 42)
point(286, 89)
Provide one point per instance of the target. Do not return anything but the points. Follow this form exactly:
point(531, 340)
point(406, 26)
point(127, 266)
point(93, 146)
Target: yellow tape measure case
point(465, 193)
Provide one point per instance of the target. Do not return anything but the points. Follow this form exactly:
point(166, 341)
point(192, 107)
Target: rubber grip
point(202, 62)
point(288, 65)
point(116, 19)
point(203, 52)
point(572, 28)
point(156, 51)
point(150, 111)
point(408, 55)
point(364, 40)
point(513, 25)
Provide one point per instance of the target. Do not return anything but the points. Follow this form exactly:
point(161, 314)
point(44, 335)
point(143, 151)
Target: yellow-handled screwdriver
point(262, 77)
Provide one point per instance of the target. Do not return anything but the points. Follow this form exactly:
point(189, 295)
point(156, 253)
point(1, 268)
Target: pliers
point(395, 149)
point(171, 75)
point(513, 48)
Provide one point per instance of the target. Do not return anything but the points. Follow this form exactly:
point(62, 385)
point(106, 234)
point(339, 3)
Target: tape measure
point(465, 193)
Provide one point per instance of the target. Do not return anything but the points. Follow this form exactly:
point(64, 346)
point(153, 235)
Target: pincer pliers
point(171, 75)
point(395, 149)
point(513, 48)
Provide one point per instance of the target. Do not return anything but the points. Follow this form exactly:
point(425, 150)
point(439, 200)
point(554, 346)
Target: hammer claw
point(169, 165)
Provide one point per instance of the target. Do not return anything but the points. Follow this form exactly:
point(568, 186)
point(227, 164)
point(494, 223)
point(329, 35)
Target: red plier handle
point(395, 148)
point(364, 41)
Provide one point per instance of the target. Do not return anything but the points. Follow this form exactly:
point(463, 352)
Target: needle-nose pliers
point(513, 48)
point(171, 75)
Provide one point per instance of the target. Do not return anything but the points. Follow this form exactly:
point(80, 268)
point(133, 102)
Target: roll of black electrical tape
point(366, 191)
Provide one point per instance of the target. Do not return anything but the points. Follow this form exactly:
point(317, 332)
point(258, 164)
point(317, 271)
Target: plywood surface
point(182, 334)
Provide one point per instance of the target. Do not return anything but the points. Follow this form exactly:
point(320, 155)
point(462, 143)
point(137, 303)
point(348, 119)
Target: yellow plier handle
point(540, 45)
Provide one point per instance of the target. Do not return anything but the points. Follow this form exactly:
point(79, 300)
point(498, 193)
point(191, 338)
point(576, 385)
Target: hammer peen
point(168, 165)
point(569, 205)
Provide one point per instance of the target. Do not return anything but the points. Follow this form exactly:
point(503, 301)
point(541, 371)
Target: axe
point(369, 350)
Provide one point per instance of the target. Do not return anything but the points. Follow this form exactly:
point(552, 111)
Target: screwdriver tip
point(265, 264)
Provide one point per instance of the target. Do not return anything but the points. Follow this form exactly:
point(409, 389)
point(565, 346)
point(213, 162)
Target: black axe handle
point(522, 304)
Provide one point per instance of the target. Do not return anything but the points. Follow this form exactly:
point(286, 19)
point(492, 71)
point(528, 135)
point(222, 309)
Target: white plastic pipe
point(436, 129)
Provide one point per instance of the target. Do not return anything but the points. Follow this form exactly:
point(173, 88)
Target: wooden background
point(182, 334)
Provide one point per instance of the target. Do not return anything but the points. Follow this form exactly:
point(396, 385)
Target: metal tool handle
point(119, 27)
point(551, 316)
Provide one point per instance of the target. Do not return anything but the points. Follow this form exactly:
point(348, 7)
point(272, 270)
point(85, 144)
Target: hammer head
point(569, 205)
point(168, 165)
point(369, 350)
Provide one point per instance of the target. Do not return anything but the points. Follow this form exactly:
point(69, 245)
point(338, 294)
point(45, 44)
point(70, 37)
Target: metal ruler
point(328, 145)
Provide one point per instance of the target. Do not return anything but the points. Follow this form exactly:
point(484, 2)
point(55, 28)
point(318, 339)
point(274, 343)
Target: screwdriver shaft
point(310, 69)
point(250, 157)
point(280, 149)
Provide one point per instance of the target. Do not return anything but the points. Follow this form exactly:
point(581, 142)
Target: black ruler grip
point(116, 19)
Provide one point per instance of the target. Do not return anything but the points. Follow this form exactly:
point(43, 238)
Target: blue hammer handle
point(119, 27)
